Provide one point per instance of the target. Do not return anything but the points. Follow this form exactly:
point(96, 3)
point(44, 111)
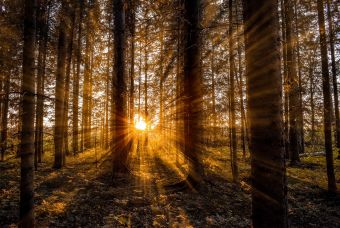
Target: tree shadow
point(310, 204)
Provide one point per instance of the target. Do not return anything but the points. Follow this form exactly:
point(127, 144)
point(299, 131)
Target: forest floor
point(83, 194)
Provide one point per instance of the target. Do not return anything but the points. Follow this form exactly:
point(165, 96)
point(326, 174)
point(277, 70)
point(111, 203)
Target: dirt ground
point(84, 194)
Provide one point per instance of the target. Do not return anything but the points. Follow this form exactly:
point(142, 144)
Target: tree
point(334, 72)
point(4, 116)
point(327, 105)
point(132, 26)
point(233, 152)
point(86, 109)
point(75, 141)
point(27, 134)
point(193, 94)
point(119, 150)
point(264, 88)
point(68, 76)
point(293, 89)
point(42, 27)
point(60, 88)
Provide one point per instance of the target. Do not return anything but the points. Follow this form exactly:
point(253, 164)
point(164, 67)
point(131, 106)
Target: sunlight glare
point(140, 125)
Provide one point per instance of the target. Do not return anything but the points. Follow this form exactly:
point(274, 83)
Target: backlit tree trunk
point(75, 122)
point(334, 77)
point(326, 99)
point(193, 86)
point(293, 88)
point(43, 41)
point(234, 165)
point(60, 88)
point(26, 151)
point(4, 116)
point(119, 151)
point(264, 88)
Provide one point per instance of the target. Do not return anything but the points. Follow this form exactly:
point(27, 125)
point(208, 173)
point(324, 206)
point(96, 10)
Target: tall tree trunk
point(264, 88)
point(132, 26)
point(293, 88)
point(107, 100)
point(146, 69)
point(4, 116)
point(285, 78)
point(68, 77)
point(76, 77)
point(27, 135)
point(213, 96)
point(326, 99)
point(193, 90)
point(60, 88)
point(334, 74)
point(43, 41)
point(300, 120)
point(161, 76)
point(86, 125)
point(120, 152)
point(234, 165)
point(240, 76)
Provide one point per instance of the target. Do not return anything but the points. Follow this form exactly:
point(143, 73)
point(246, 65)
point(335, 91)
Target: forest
point(169, 113)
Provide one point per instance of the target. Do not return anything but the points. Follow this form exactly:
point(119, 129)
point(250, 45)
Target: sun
point(140, 124)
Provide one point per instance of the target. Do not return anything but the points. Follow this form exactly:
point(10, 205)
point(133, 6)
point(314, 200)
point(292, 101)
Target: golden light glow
point(140, 124)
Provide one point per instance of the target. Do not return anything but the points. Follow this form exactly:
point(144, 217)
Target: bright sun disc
point(140, 125)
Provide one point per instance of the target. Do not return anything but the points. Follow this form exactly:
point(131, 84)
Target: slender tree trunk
point(68, 78)
point(240, 75)
point(300, 121)
point(161, 76)
point(60, 88)
point(107, 100)
point(334, 74)
point(4, 116)
point(27, 135)
point(269, 185)
point(326, 98)
point(146, 69)
point(311, 91)
point(120, 152)
point(76, 77)
point(87, 82)
point(234, 165)
point(213, 96)
point(132, 56)
point(193, 90)
point(43, 42)
point(285, 78)
point(293, 88)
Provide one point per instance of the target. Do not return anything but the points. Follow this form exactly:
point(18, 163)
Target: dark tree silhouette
point(27, 118)
point(269, 191)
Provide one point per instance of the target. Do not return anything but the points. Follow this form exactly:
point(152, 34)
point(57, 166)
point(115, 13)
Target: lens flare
point(140, 125)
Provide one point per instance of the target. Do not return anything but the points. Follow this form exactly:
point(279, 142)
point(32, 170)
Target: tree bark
point(60, 88)
point(264, 88)
point(335, 79)
point(43, 41)
point(4, 116)
point(76, 77)
point(234, 165)
point(68, 77)
point(193, 90)
point(119, 151)
point(293, 89)
point(326, 98)
point(285, 78)
point(27, 134)
point(300, 120)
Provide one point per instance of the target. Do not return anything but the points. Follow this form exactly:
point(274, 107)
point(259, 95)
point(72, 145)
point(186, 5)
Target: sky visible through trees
point(181, 113)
